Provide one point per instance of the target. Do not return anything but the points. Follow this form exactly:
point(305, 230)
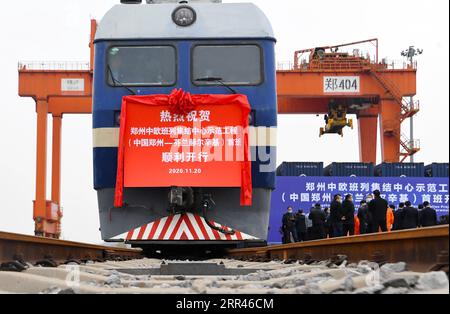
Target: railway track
point(17, 251)
point(321, 267)
point(422, 249)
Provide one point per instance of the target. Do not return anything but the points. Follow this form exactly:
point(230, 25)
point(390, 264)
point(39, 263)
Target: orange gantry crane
point(326, 81)
point(58, 88)
point(331, 83)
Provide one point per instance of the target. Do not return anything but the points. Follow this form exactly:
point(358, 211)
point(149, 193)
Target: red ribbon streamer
point(182, 103)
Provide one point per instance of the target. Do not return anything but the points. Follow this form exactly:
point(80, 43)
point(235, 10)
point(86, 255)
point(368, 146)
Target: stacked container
point(413, 170)
point(349, 169)
point(437, 170)
point(300, 169)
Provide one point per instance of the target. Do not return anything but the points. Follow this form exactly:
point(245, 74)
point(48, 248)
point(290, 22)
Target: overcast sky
point(59, 30)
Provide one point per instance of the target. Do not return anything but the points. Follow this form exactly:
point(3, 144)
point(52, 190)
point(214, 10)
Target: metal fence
point(285, 66)
point(398, 64)
point(54, 66)
point(384, 64)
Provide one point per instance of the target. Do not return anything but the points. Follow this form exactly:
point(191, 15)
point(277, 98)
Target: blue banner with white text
point(304, 192)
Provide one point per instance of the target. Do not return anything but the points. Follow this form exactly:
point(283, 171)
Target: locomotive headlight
point(184, 16)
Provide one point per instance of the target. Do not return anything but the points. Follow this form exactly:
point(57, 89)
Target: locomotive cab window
point(141, 66)
point(232, 65)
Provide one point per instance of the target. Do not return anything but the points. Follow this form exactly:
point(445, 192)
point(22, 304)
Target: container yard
point(200, 184)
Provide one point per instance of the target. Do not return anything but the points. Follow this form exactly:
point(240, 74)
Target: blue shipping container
point(299, 169)
point(349, 169)
point(437, 170)
point(413, 170)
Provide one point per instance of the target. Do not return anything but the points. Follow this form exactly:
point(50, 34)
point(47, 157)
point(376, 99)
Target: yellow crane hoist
point(336, 120)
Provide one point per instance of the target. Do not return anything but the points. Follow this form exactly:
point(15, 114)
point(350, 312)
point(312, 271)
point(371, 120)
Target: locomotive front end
point(184, 123)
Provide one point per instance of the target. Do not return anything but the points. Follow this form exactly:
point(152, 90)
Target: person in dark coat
point(364, 217)
point(336, 216)
point(378, 209)
point(369, 198)
point(428, 216)
point(300, 226)
point(318, 218)
point(410, 217)
point(398, 214)
point(289, 226)
point(348, 212)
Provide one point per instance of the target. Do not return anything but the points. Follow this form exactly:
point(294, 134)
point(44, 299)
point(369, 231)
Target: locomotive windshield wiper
point(116, 82)
point(217, 80)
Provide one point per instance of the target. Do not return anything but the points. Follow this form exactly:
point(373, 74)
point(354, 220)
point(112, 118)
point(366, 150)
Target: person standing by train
point(428, 216)
point(300, 226)
point(290, 234)
point(398, 215)
point(336, 216)
point(364, 217)
point(378, 208)
point(369, 198)
point(410, 217)
point(390, 218)
point(318, 218)
point(348, 212)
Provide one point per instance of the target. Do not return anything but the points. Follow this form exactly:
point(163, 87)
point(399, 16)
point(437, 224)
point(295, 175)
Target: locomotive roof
point(214, 20)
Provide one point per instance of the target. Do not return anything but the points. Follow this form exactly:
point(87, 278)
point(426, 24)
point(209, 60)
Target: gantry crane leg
point(368, 135)
point(390, 130)
point(56, 172)
point(40, 203)
point(47, 214)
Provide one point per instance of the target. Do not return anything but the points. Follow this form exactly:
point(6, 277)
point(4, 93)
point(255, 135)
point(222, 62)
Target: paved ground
point(236, 277)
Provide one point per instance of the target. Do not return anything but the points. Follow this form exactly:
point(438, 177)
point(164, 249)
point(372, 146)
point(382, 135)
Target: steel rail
point(422, 249)
point(30, 249)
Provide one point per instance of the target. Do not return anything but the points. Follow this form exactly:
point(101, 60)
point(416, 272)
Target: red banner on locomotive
point(185, 140)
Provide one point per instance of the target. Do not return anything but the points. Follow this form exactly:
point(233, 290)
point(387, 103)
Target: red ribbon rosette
point(181, 102)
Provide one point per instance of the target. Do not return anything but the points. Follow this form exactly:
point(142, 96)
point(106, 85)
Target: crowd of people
point(342, 219)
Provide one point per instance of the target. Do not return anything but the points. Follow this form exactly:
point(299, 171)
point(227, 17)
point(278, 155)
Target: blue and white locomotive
point(203, 47)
